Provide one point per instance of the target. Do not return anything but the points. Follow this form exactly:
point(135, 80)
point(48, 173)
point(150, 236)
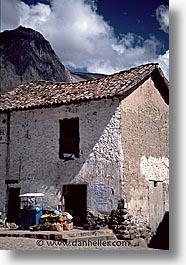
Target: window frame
point(65, 139)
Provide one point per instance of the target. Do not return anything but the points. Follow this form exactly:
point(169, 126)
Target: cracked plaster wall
point(34, 153)
point(144, 125)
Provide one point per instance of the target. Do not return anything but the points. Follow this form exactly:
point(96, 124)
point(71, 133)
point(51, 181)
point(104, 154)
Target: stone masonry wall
point(144, 124)
point(34, 153)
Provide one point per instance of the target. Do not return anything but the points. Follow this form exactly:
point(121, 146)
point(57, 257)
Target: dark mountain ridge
point(25, 55)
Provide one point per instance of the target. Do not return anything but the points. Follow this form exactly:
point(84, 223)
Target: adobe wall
point(34, 153)
point(144, 125)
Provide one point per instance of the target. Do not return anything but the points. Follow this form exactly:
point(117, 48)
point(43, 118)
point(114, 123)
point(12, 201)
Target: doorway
point(75, 202)
point(13, 205)
point(156, 203)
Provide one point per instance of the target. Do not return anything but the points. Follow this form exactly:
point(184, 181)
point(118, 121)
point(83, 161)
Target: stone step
point(104, 234)
point(82, 233)
point(89, 238)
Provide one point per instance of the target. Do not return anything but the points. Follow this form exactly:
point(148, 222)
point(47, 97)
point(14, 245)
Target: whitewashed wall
point(34, 152)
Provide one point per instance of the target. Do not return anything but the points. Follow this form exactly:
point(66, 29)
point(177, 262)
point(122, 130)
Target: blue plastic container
point(30, 217)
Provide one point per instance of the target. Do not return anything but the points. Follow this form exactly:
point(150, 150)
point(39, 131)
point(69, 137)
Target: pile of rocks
point(93, 222)
point(125, 227)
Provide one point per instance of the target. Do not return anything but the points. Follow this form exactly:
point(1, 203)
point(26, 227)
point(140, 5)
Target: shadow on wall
point(161, 239)
point(41, 167)
point(32, 161)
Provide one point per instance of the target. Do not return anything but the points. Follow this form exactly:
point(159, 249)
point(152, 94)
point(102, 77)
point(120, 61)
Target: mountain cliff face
point(25, 55)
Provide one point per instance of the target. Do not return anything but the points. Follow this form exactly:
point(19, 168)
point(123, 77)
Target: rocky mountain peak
point(25, 55)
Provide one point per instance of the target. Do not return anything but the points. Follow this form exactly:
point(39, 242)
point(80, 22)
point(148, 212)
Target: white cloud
point(163, 61)
point(162, 15)
point(33, 15)
point(81, 37)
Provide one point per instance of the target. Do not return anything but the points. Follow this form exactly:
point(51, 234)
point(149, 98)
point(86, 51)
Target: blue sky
point(134, 16)
point(103, 36)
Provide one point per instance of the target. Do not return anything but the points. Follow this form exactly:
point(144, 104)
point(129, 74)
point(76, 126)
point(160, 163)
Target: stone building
point(91, 143)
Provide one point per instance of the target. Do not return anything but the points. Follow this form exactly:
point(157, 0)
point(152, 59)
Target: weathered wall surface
point(34, 152)
point(144, 124)
point(3, 159)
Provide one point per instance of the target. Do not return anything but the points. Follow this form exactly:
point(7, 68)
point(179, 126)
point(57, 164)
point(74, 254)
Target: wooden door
point(156, 203)
point(13, 205)
point(75, 199)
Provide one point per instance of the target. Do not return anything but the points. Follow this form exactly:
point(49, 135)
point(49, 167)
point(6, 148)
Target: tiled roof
point(45, 93)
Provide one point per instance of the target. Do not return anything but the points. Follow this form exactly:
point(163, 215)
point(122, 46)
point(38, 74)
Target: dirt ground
point(16, 243)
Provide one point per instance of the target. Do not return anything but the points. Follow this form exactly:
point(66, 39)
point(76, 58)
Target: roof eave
point(161, 83)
